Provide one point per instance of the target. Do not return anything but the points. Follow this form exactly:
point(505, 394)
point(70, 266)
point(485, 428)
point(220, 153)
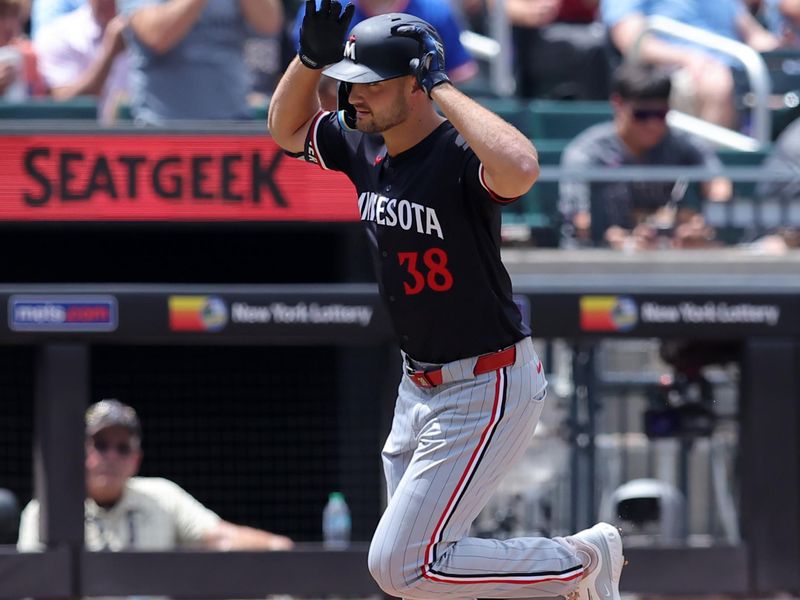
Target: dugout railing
point(552, 290)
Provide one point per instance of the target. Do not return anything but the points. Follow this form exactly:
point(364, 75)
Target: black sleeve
point(326, 143)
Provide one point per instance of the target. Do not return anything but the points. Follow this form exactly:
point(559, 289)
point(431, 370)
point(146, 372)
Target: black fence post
point(61, 396)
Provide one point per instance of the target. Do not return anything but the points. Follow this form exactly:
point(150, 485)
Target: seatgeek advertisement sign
point(165, 177)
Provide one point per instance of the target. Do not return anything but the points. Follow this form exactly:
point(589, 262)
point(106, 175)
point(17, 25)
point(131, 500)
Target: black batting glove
point(429, 67)
point(322, 33)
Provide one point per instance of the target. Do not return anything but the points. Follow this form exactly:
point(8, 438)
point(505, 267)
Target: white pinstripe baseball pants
point(448, 449)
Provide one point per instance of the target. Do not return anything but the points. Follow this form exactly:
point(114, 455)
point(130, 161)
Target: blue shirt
point(436, 12)
point(44, 11)
point(714, 16)
point(203, 76)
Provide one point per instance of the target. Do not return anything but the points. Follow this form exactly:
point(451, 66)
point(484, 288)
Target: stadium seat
point(82, 107)
point(730, 218)
point(259, 113)
point(511, 109)
point(736, 158)
point(564, 119)
point(784, 70)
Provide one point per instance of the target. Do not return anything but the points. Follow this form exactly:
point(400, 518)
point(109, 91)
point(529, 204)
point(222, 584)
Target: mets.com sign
point(68, 313)
point(623, 313)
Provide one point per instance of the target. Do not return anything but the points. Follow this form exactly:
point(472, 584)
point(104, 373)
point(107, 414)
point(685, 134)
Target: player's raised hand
point(429, 67)
point(322, 32)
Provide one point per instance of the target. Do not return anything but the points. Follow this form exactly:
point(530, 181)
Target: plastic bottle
point(336, 522)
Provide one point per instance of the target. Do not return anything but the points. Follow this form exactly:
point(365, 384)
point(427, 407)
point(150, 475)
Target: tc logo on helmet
point(350, 48)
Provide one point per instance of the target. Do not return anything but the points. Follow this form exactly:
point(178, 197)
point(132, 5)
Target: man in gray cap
point(126, 512)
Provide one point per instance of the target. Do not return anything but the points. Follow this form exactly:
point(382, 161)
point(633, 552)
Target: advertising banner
point(164, 177)
point(347, 314)
point(354, 314)
point(694, 315)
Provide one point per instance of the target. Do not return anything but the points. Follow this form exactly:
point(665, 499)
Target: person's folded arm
point(754, 34)
point(264, 16)
point(161, 26)
point(229, 536)
point(92, 79)
point(652, 49)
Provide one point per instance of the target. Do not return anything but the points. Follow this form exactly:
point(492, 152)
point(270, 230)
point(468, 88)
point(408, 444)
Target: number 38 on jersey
point(426, 270)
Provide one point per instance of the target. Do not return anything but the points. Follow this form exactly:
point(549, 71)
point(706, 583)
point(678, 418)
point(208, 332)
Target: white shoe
point(602, 582)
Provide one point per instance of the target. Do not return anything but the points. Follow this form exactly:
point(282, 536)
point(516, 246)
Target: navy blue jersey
point(434, 229)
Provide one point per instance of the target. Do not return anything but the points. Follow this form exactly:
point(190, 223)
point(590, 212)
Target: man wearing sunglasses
point(638, 214)
point(126, 512)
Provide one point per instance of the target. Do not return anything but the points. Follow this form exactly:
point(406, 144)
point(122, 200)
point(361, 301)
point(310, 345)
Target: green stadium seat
point(82, 107)
point(550, 150)
point(564, 119)
point(784, 71)
point(124, 112)
point(737, 158)
point(511, 109)
point(259, 113)
point(743, 193)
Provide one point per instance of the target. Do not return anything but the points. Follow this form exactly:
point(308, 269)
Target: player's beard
point(396, 114)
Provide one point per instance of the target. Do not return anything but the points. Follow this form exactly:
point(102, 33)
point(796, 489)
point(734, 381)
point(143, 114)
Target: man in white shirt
point(82, 53)
point(125, 512)
point(44, 11)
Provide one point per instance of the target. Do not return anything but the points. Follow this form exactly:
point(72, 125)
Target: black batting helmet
point(374, 52)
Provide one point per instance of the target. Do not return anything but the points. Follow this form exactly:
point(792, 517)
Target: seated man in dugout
point(638, 214)
point(126, 512)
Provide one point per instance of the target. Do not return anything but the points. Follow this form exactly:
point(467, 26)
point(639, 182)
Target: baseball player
point(430, 189)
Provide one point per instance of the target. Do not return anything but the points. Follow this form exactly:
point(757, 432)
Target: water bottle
point(336, 522)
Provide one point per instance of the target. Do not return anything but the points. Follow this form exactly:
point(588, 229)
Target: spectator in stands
point(783, 19)
point(785, 156)
point(188, 56)
point(560, 49)
point(624, 214)
point(125, 512)
point(82, 53)
point(19, 74)
point(266, 57)
point(25, 16)
point(44, 11)
point(703, 82)
point(459, 63)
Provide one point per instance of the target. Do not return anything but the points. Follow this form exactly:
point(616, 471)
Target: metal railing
point(497, 50)
point(757, 74)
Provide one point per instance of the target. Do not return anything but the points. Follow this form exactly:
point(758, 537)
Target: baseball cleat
point(602, 581)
